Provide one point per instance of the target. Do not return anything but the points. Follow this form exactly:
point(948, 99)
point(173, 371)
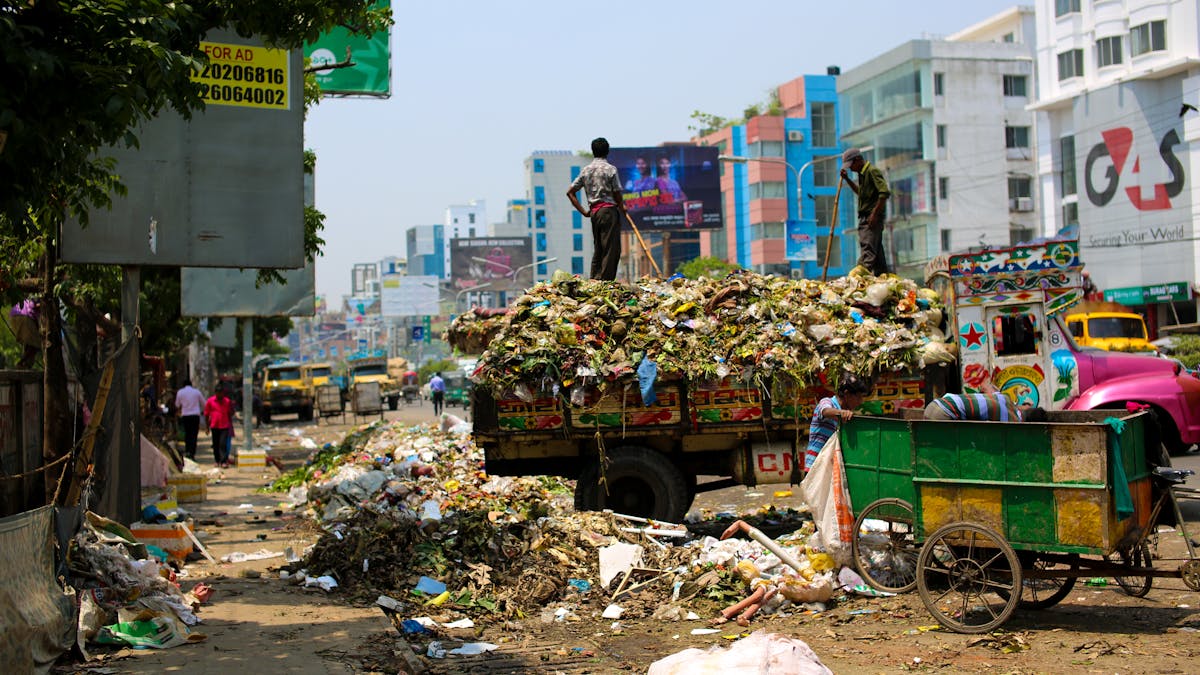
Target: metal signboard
point(1178, 291)
point(499, 263)
point(408, 296)
point(418, 333)
point(230, 292)
point(371, 74)
point(674, 187)
point(224, 189)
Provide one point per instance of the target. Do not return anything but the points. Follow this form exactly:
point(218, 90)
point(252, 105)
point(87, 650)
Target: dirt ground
point(266, 625)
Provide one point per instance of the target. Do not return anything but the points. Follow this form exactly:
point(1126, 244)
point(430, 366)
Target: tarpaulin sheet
point(37, 621)
point(115, 489)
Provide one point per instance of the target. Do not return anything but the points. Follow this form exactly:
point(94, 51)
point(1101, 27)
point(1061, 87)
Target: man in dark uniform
point(872, 190)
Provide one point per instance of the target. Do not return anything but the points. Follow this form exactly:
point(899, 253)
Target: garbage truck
point(370, 368)
point(1003, 310)
point(285, 391)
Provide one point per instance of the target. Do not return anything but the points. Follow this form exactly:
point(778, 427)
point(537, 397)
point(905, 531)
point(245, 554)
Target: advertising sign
point(1136, 202)
point(1179, 291)
point(371, 74)
point(675, 187)
point(246, 76)
point(408, 296)
point(800, 246)
point(233, 292)
point(500, 263)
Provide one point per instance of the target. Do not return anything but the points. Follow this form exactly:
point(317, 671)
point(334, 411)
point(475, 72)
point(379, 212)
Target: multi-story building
point(426, 251)
point(463, 221)
point(764, 158)
point(1116, 79)
point(364, 279)
point(556, 228)
point(947, 123)
point(392, 265)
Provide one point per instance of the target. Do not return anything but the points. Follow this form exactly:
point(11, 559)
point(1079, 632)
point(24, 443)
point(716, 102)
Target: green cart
point(994, 516)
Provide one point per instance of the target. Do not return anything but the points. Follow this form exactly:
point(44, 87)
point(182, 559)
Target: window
point(1070, 64)
point(576, 220)
point(1064, 7)
point(825, 172)
point(539, 194)
point(721, 147)
point(767, 231)
point(1066, 150)
point(1148, 37)
point(939, 84)
point(835, 253)
point(471, 232)
point(1020, 187)
point(577, 242)
point(1018, 234)
point(770, 190)
point(577, 265)
point(471, 219)
point(1016, 137)
point(941, 135)
point(943, 187)
point(1014, 85)
point(766, 149)
point(945, 240)
point(541, 242)
point(1015, 334)
point(541, 269)
point(1108, 51)
point(539, 218)
point(1076, 328)
point(1009, 37)
point(824, 131)
point(1070, 213)
point(539, 165)
point(823, 210)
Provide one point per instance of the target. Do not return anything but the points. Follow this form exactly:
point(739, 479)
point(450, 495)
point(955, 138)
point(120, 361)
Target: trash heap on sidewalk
point(410, 515)
point(471, 332)
point(573, 330)
point(128, 593)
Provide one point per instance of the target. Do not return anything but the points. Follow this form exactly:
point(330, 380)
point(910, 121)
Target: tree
point(79, 75)
point(707, 266)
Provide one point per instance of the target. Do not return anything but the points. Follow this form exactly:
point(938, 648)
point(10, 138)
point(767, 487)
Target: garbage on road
point(760, 652)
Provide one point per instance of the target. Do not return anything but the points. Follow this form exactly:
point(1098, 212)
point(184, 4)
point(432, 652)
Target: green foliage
point(707, 266)
point(426, 371)
point(1186, 348)
point(707, 123)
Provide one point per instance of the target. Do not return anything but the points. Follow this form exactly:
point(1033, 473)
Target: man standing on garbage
point(189, 402)
point(872, 190)
point(606, 209)
point(830, 414)
point(437, 391)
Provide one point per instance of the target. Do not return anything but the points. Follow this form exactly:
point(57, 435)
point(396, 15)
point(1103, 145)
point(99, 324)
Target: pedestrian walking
point(189, 404)
point(437, 391)
point(830, 414)
point(217, 412)
point(606, 209)
point(873, 192)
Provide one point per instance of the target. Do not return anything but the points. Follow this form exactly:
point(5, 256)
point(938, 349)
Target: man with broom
point(606, 209)
point(872, 190)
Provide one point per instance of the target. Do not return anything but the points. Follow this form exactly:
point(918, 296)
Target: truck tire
point(641, 482)
point(306, 414)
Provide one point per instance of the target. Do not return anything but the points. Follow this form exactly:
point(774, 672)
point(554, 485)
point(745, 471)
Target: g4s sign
point(1116, 146)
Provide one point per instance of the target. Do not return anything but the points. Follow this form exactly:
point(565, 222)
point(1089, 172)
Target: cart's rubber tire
point(641, 482)
point(901, 550)
point(1045, 593)
point(305, 414)
point(1136, 586)
point(968, 560)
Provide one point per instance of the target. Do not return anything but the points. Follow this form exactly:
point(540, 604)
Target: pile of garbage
point(471, 332)
point(409, 513)
point(573, 330)
point(128, 593)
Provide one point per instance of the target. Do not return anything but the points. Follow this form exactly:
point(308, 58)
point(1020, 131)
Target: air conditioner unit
point(1024, 204)
point(796, 273)
point(795, 136)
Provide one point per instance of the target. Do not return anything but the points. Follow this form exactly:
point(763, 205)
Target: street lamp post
point(736, 159)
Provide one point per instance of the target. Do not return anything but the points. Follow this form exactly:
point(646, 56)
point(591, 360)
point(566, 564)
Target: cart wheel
point(966, 574)
point(1190, 573)
point(1046, 593)
point(885, 552)
point(1139, 556)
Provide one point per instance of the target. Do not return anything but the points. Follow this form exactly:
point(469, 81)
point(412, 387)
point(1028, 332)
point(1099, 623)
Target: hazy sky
point(477, 86)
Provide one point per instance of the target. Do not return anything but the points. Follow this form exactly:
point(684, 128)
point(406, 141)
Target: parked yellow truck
point(285, 391)
point(374, 369)
point(1110, 327)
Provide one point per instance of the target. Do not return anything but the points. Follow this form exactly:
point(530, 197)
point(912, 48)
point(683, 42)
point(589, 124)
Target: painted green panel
point(936, 450)
point(895, 446)
point(1029, 516)
point(981, 450)
point(1030, 458)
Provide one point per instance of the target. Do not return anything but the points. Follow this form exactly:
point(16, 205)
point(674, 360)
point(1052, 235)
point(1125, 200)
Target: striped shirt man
point(981, 407)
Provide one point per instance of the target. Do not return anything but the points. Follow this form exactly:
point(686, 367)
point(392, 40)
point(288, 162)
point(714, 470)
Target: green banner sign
point(1176, 291)
point(371, 74)
point(427, 324)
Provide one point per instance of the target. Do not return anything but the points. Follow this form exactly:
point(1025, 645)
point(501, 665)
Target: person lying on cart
point(830, 414)
point(989, 407)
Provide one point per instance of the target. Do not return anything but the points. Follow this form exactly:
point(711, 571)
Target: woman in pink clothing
point(218, 411)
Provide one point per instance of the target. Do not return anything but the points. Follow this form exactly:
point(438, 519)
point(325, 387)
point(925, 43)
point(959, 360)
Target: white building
point(948, 123)
point(463, 221)
point(1113, 143)
point(557, 229)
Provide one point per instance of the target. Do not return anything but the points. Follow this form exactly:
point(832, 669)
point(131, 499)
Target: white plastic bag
point(825, 493)
point(761, 653)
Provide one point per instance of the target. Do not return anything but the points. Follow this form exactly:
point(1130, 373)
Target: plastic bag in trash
point(761, 652)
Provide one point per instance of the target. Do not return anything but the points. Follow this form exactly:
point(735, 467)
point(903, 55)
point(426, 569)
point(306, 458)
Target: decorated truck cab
point(1006, 307)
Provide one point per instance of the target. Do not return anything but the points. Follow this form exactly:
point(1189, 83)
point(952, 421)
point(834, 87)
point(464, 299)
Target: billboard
point(223, 189)
point(371, 74)
point(502, 263)
point(235, 292)
point(675, 187)
point(408, 296)
point(801, 244)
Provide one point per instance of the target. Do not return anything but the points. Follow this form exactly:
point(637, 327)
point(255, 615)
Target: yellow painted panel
point(1082, 517)
point(939, 506)
point(983, 506)
point(1079, 454)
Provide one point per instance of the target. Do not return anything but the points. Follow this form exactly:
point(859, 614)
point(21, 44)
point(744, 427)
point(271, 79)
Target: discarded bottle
point(1097, 581)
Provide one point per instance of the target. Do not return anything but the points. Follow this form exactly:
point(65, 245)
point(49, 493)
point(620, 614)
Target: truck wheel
point(641, 482)
point(306, 414)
